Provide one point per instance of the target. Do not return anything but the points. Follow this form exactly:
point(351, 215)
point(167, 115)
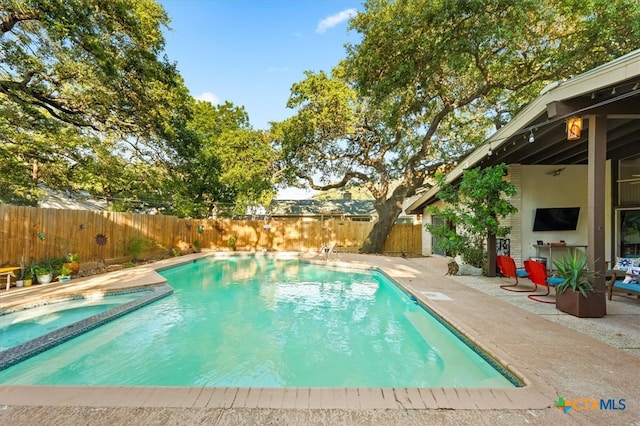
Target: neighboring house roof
point(612, 89)
point(67, 200)
point(321, 207)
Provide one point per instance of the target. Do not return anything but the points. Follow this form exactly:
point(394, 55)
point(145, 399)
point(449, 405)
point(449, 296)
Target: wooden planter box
point(574, 303)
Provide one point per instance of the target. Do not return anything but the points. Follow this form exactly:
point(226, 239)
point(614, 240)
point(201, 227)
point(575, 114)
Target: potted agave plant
point(576, 295)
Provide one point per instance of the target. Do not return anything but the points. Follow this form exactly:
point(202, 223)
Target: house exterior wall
point(514, 176)
point(540, 188)
point(537, 187)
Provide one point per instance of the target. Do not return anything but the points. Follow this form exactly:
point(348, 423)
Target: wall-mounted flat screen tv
point(556, 219)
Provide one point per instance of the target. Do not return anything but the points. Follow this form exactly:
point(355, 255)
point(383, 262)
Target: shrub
point(135, 246)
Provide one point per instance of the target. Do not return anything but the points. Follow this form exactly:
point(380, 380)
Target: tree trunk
point(388, 212)
point(35, 172)
point(491, 255)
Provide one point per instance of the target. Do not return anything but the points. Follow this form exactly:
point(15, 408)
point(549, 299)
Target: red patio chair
point(538, 275)
point(508, 268)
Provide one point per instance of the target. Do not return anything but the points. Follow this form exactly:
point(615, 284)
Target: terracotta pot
point(574, 303)
point(74, 267)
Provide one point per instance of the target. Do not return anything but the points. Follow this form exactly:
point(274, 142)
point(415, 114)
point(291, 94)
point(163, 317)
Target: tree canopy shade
point(89, 63)
point(75, 74)
point(88, 102)
point(431, 80)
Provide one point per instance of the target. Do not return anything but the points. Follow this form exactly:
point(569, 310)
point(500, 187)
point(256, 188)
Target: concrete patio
point(555, 354)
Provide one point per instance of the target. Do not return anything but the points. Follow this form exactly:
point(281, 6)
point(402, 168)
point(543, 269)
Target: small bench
point(8, 271)
point(626, 289)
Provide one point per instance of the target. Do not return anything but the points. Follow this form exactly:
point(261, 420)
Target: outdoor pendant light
point(574, 128)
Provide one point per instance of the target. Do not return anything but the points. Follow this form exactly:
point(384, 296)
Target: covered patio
point(602, 160)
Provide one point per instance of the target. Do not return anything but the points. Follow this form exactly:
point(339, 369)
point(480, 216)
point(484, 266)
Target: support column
point(596, 200)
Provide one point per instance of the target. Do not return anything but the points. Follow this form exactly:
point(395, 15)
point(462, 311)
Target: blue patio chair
point(617, 285)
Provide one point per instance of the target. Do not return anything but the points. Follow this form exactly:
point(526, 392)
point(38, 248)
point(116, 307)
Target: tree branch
point(345, 179)
point(10, 20)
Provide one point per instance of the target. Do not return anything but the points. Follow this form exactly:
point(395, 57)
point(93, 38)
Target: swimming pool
point(268, 323)
point(29, 330)
point(23, 325)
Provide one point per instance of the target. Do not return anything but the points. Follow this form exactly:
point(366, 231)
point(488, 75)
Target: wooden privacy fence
point(34, 234)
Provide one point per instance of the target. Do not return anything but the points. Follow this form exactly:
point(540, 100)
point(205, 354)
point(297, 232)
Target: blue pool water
point(259, 322)
point(24, 325)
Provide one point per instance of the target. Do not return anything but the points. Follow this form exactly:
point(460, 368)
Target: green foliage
point(573, 269)
point(472, 211)
point(224, 163)
point(136, 245)
point(104, 114)
point(429, 81)
point(73, 257)
point(474, 254)
point(76, 76)
point(29, 272)
point(42, 270)
point(493, 55)
point(48, 266)
point(88, 63)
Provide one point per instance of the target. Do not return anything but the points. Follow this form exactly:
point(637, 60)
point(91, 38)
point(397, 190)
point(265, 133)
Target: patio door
point(629, 232)
point(628, 212)
point(435, 249)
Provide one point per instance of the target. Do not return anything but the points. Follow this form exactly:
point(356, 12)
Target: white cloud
point(278, 69)
point(209, 97)
point(333, 20)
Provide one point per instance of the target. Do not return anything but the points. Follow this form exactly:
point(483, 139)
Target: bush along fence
point(30, 234)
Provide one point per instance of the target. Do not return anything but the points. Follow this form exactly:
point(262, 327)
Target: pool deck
point(556, 355)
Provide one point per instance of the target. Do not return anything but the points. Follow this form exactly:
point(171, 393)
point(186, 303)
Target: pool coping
point(535, 394)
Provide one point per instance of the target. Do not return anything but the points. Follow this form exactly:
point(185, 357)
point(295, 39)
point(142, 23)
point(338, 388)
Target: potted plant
point(65, 274)
point(43, 274)
point(576, 294)
point(72, 263)
point(197, 246)
point(23, 268)
point(27, 276)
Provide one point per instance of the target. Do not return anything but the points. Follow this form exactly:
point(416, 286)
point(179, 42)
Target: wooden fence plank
point(75, 231)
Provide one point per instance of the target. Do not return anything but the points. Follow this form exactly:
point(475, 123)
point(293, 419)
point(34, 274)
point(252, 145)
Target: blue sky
point(250, 52)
